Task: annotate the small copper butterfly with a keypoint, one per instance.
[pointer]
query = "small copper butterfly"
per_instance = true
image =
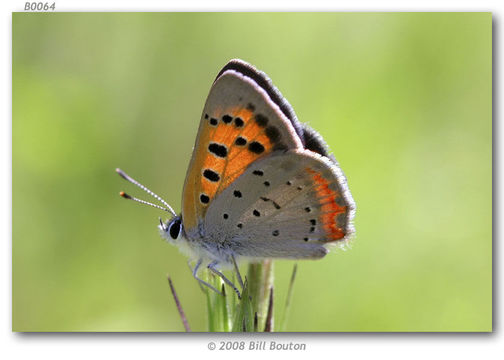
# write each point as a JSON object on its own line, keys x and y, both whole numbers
{"x": 260, "y": 183}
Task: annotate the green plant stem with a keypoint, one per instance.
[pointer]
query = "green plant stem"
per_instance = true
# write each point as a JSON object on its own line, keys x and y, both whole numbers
{"x": 260, "y": 281}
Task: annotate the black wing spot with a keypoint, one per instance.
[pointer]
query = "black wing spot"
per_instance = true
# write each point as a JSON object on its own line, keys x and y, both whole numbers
{"x": 241, "y": 141}
{"x": 218, "y": 150}
{"x": 251, "y": 107}
{"x": 300, "y": 188}
{"x": 307, "y": 209}
{"x": 276, "y": 232}
{"x": 258, "y": 172}
{"x": 238, "y": 122}
{"x": 214, "y": 121}
{"x": 211, "y": 175}
{"x": 256, "y": 147}
{"x": 239, "y": 225}
{"x": 227, "y": 119}
{"x": 206, "y": 116}
{"x": 275, "y": 204}
{"x": 237, "y": 193}
{"x": 204, "y": 198}
{"x": 312, "y": 229}
{"x": 289, "y": 183}
{"x": 261, "y": 120}
{"x": 264, "y": 198}
{"x": 272, "y": 133}
{"x": 267, "y": 183}
{"x": 225, "y": 216}
{"x": 305, "y": 239}
{"x": 313, "y": 222}
{"x": 256, "y": 213}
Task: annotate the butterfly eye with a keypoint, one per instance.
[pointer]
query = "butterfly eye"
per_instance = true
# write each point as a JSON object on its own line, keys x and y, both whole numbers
{"x": 175, "y": 228}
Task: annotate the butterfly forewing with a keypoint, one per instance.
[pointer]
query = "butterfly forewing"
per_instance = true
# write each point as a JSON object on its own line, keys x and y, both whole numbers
{"x": 240, "y": 125}
{"x": 287, "y": 205}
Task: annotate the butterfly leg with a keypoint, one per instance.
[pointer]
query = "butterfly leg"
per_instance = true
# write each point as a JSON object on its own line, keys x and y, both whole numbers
{"x": 212, "y": 268}
{"x": 237, "y": 271}
{"x": 195, "y": 275}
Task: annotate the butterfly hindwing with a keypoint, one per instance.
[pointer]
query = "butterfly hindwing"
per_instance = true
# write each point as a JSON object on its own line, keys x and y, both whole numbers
{"x": 286, "y": 205}
{"x": 240, "y": 124}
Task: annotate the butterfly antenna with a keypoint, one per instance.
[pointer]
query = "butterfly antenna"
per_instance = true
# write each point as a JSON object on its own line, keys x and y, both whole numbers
{"x": 128, "y": 178}
{"x": 129, "y": 197}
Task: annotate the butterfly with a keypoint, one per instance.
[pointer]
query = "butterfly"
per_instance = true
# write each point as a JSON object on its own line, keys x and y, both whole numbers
{"x": 260, "y": 184}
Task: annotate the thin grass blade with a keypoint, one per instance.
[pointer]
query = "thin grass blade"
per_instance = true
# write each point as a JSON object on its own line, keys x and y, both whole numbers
{"x": 288, "y": 300}
{"x": 179, "y": 306}
{"x": 268, "y": 327}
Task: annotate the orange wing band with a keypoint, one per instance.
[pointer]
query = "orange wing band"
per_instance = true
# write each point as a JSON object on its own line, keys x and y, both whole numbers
{"x": 329, "y": 208}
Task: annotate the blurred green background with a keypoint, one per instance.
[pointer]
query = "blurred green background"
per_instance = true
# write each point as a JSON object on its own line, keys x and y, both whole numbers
{"x": 404, "y": 101}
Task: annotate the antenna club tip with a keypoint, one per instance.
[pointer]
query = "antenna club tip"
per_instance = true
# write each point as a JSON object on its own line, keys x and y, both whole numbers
{"x": 124, "y": 195}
